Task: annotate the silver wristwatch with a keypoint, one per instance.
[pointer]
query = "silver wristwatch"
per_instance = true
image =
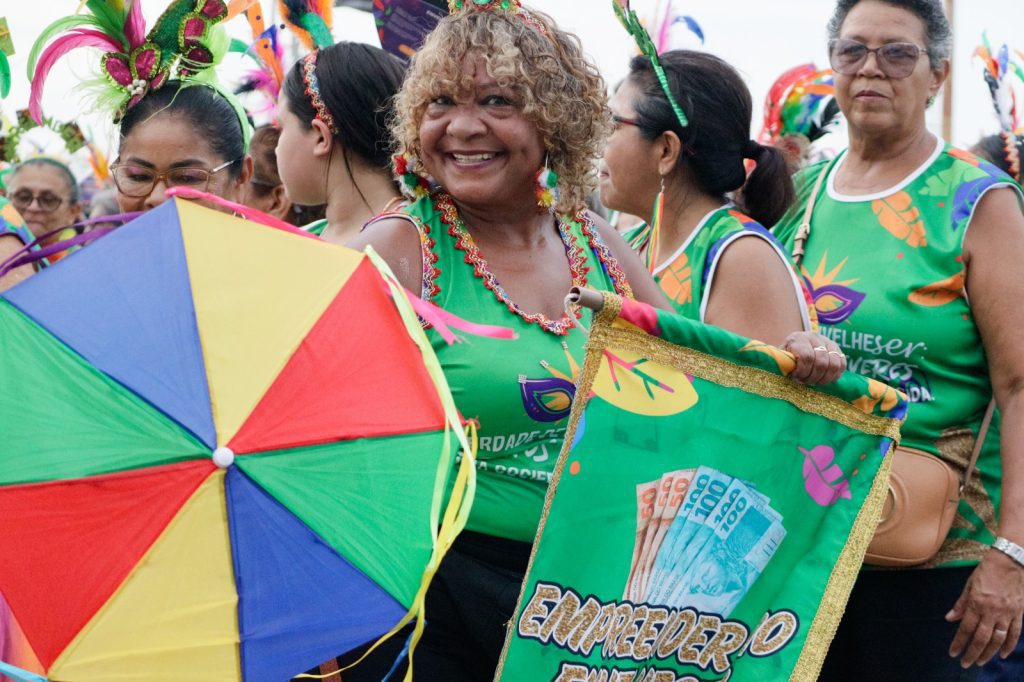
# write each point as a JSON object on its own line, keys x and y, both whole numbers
{"x": 1010, "y": 549}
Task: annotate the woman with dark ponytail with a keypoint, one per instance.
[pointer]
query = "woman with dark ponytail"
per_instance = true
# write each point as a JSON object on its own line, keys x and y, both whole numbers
{"x": 694, "y": 243}
{"x": 335, "y": 148}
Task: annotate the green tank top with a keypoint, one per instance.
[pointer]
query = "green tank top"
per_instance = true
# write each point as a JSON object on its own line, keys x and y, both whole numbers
{"x": 887, "y": 278}
{"x": 316, "y": 227}
{"x": 686, "y": 275}
{"x": 518, "y": 391}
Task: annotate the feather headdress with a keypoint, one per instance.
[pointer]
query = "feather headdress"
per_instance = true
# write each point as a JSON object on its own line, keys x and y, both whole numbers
{"x": 311, "y": 20}
{"x": 268, "y": 52}
{"x": 998, "y": 67}
{"x": 627, "y": 17}
{"x": 184, "y": 42}
{"x": 667, "y": 21}
{"x": 800, "y": 102}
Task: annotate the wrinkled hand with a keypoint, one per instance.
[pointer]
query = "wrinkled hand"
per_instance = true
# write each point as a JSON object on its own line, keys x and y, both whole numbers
{"x": 989, "y": 611}
{"x": 818, "y": 359}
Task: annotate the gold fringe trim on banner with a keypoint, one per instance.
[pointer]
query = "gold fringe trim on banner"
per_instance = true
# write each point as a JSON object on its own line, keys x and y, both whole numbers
{"x": 728, "y": 374}
{"x": 840, "y": 583}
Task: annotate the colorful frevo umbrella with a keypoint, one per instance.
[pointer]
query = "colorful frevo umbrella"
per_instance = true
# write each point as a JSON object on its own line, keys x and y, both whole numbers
{"x": 223, "y": 454}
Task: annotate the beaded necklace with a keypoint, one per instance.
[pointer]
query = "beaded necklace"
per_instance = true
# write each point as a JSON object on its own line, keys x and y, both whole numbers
{"x": 464, "y": 242}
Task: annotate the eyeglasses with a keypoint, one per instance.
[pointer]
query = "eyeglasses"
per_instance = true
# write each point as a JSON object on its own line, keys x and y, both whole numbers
{"x": 896, "y": 60}
{"x": 47, "y": 201}
{"x": 138, "y": 181}
{"x": 622, "y": 121}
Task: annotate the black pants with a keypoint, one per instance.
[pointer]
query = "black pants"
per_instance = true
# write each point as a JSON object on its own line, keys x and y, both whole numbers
{"x": 468, "y": 607}
{"x": 894, "y": 629}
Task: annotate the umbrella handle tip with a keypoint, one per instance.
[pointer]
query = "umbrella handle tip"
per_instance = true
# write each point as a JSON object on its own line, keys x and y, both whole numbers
{"x": 223, "y": 457}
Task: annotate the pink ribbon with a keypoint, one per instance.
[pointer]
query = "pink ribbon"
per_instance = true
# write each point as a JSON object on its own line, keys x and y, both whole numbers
{"x": 246, "y": 212}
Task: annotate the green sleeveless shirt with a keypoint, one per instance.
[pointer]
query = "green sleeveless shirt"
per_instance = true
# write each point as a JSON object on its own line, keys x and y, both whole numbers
{"x": 519, "y": 391}
{"x": 686, "y": 275}
{"x": 887, "y": 278}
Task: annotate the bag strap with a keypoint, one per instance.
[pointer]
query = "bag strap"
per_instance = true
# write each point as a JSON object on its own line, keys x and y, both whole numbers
{"x": 979, "y": 443}
{"x": 804, "y": 231}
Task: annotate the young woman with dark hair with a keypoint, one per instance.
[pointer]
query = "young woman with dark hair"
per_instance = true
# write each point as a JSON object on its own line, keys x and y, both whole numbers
{"x": 697, "y": 244}
{"x": 265, "y": 191}
{"x": 182, "y": 135}
{"x": 335, "y": 148}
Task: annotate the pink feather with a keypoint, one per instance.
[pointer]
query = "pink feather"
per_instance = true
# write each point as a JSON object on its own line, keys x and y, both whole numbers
{"x": 82, "y": 37}
{"x": 135, "y": 24}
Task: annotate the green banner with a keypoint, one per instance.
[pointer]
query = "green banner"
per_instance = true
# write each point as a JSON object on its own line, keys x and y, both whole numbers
{"x": 707, "y": 516}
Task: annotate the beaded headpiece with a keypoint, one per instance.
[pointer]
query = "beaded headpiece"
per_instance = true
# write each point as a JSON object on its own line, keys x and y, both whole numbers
{"x": 998, "y": 67}
{"x": 627, "y": 17}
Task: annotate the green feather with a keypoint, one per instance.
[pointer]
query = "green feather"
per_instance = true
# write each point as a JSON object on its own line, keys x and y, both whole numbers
{"x": 5, "y": 76}
{"x": 109, "y": 19}
{"x": 317, "y": 29}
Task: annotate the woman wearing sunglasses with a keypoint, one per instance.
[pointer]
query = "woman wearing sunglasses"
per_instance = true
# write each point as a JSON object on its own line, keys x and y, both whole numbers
{"x": 44, "y": 192}
{"x": 912, "y": 249}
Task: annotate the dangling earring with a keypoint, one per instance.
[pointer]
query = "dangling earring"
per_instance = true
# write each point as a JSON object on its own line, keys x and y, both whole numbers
{"x": 412, "y": 184}
{"x": 931, "y": 101}
{"x": 657, "y": 214}
{"x": 546, "y": 182}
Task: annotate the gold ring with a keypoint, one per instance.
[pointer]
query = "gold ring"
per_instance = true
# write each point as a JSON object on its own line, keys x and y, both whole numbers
{"x": 837, "y": 352}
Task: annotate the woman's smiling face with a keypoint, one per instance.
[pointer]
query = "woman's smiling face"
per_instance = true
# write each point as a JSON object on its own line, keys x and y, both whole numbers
{"x": 478, "y": 145}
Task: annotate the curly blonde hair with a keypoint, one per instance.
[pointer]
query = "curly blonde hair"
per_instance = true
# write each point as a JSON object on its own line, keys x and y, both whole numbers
{"x": 558, "y": 89}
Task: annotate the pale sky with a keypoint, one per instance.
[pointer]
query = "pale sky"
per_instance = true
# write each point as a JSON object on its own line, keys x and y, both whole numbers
{"x": 761, "y": 39}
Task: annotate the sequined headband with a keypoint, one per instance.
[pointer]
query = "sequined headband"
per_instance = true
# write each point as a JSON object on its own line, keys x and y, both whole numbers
{"x": 513, "y": 7}
{"x": 313, "y": 92}
{"x": 1012, "y": 153}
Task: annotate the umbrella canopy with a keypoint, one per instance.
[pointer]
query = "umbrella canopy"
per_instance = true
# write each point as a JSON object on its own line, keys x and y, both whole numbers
{"x": 223, "y": 455}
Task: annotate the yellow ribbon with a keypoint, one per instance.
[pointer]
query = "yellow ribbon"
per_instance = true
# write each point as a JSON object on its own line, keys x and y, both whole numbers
{"x": 457, "y": 511}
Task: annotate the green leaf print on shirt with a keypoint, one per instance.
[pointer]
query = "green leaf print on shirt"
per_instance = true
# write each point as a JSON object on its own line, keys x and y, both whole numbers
{"x": 942, "y": 183}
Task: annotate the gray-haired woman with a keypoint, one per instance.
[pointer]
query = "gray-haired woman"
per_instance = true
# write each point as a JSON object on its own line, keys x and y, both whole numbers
{"x": 903, "y": 229}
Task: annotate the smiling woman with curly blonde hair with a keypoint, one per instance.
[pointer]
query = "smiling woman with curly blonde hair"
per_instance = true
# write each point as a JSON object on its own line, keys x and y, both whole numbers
{"x": 553, "y": 85}
{"x": 495, "y": 105}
